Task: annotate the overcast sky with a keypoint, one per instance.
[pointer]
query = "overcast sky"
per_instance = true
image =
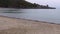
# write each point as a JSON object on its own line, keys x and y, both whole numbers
{"x": 52, "y": 3}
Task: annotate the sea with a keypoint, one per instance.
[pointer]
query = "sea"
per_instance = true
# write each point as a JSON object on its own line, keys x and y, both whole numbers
{"x": 47, "y": 15}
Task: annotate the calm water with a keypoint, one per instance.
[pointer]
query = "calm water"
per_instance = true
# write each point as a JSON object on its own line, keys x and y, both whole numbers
{"x": 49, "y": 15}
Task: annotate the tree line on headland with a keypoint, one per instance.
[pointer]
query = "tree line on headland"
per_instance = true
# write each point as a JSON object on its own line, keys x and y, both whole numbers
{"x": 21, "y": 4}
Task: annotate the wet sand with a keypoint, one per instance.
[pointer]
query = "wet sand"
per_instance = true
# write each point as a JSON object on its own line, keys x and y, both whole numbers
{"x": 24, "y": 26}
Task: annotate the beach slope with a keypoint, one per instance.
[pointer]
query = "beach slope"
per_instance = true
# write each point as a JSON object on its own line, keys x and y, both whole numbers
{"x": 25, "y": 26}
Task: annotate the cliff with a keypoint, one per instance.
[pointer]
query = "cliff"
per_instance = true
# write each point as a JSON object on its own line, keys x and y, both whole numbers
{"x": 22, "y": 4}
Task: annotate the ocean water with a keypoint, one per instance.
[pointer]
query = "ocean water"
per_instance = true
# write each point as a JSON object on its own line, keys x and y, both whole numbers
{"x": 48, "y": 15}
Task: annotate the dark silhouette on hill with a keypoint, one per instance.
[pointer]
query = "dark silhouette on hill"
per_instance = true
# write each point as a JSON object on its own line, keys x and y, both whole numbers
{"x": 22, "y": 4}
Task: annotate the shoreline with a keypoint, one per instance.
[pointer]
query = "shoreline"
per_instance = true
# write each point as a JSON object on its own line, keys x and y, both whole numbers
{"x": 30, "y": 8}
{"x": 30, "y": 20}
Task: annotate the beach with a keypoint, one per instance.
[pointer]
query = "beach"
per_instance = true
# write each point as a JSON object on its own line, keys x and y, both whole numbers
{"x": 9, "y": 25}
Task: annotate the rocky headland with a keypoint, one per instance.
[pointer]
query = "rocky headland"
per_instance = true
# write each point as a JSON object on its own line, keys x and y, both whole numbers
{"x": 22, "y": 4}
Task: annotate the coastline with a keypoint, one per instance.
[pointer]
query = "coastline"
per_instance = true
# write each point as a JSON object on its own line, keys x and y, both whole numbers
{"x": 11, "y": 25}
{"x": 29, "y": 8}
{"x": 30, "y": 20}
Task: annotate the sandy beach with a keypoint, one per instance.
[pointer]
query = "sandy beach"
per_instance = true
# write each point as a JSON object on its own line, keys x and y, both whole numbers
{"x": 24, "y": 26}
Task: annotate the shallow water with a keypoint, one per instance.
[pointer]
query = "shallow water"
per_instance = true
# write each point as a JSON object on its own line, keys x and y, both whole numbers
{"x": 48, "y": 15}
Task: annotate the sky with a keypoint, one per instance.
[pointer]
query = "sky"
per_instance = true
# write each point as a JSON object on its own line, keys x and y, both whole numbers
{"x": 51, "y": 3}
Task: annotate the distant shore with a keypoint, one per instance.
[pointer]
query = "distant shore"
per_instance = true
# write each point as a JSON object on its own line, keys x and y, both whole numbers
{"x": 23, "y": 4}
{"x": 9, "y": 25}
{"x": 29, "y": 8}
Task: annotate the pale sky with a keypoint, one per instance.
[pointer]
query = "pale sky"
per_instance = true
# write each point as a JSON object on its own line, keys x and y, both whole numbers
{"x": 52, "y": 3}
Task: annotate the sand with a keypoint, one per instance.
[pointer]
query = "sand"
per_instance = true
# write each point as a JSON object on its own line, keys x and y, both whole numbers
{"x": 24, "y": 26}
